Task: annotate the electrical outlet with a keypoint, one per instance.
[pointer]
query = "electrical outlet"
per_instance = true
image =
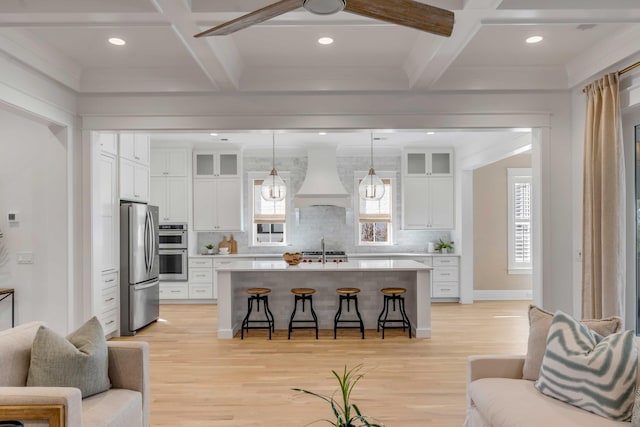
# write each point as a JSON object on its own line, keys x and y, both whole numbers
{"x": 25, "y": 257}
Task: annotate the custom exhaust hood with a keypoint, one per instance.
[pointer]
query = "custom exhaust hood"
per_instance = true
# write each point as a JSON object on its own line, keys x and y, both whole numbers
{"x": 322, "y": 186}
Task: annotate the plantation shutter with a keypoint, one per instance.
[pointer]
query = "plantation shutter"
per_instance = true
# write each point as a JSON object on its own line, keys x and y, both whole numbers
{"x": 520, "y": 250}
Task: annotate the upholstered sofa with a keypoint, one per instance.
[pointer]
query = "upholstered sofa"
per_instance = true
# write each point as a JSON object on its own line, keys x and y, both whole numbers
{"x": 125, "y": 404}
{"x": 497, "y": 396}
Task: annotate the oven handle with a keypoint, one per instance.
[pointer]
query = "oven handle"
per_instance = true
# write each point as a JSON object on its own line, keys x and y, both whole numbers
{"x": 172, "y": 251}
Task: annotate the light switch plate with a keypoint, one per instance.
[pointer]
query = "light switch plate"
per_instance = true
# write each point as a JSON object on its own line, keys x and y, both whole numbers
{"x": 25, "y": 257}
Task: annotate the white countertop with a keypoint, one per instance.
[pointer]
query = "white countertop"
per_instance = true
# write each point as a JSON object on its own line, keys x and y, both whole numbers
{"x": 355, "y": 255}
{"x": 358, "y": 265}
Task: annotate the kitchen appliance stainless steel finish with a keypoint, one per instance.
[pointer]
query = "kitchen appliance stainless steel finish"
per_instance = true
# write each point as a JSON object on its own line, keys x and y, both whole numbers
{"x": 172, "y": 235}
{"x": 330, "y": 256}
{"x": 173, "y": 252}
{"x": 139, "y": 267}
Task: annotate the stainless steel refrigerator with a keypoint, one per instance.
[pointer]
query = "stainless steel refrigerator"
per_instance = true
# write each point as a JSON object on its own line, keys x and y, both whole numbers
{"x": 139, "y": 267}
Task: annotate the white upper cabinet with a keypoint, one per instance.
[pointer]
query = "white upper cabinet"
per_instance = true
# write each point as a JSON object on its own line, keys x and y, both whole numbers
{"x": 217, "y": 204}
{"x": 170, "y": 194}
{"x": 169, "y": 162}
{"x": 212, "y": 164}
{"x": 135, "y": 147}
{"x": 108, "y": 142}
{"x": 431, "y": 162}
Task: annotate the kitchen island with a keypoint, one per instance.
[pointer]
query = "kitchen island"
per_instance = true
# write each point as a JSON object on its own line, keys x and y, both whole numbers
{"x": 370, "y": 276}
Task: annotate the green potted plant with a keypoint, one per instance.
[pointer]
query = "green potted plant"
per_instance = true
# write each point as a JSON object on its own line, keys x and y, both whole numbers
{"x": 443, "y": 246}
{"x": 209, "y": 248}
{"x": 346, "y": 414}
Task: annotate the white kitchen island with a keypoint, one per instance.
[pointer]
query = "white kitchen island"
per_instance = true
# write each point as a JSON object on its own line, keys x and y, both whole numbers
{"x": 234, "y": 277}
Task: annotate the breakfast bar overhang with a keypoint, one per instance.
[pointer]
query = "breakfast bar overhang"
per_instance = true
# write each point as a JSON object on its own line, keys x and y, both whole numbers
{"x": 234, "y": 278}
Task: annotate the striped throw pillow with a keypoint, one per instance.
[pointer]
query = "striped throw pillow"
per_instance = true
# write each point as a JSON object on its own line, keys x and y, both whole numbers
{"x": 584, "y": 369}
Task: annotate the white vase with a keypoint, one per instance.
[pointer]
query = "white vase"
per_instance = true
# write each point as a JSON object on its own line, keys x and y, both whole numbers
{"x": 444, "y": 250}
{"x": 210, "y": 251}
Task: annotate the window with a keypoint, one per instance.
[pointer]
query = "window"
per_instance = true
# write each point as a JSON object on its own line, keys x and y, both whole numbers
{"x": 374, "y": 217}
{"x": 269, "y": 219}
{"x": 519, "y": 188}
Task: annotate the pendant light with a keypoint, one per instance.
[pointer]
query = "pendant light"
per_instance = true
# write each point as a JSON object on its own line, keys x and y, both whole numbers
{"x": 371, "y": 187}
{"x": 273, "y": 188}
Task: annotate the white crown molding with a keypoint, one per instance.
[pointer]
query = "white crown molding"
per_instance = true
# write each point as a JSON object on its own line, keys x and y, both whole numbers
{"x": 47, "y": 61}
{"x": 604, "y": 57}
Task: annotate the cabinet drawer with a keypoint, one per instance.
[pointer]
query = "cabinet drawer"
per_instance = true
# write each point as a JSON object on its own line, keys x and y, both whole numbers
{"x": 109, "y": 280}
{"x": 109, "y": 320}
{"x": 200, "y": 291}
{"x": 445, "y": 275}
{"x": 109, "y": 299}
{"x": 201, "y": 262}
{"x": 179, "y": 291}
{"x": 445, "y": 290}
{"x": 445, "y": 261}
{"x": 200, "y": 275}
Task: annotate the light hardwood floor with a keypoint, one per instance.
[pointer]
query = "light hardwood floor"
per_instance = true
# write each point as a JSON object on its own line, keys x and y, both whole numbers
{"x": 200, "y": 381}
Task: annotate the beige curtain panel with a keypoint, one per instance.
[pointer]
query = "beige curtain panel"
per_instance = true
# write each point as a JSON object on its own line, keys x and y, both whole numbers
{"x": 603, "y": 258}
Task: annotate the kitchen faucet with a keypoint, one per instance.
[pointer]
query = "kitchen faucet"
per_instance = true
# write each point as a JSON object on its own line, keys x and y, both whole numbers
{"x": 324, "y": 254}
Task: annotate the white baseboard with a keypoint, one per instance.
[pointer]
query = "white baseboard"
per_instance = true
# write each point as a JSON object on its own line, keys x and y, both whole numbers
{"x": 502, "y": 295}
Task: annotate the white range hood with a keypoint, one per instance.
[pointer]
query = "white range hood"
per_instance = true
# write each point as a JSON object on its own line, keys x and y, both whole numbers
{"x": 322, "y": 186}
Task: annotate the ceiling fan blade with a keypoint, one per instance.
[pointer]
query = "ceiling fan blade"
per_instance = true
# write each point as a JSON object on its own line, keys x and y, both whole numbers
{"x": 407, "y": 13}
{"x": 255, "y": 17}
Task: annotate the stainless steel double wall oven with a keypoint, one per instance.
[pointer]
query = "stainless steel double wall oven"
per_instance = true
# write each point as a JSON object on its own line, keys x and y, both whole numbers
{"x": 173, "y": 251}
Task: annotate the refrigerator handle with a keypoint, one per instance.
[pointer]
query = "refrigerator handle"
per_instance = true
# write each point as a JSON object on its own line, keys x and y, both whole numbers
{"x": 152, "y": 234}
{"x": 146, "y": 242}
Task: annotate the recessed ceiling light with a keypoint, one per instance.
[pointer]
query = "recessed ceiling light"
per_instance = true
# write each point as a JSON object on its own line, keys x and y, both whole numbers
{"x": 322, "y": 133}
{"x": 117, "y": 41}
{"x": 213, "y": 134}
{"x": 534, "y": 39}
{"x": 325, "y": 40}
{"x": 430, "y": 133}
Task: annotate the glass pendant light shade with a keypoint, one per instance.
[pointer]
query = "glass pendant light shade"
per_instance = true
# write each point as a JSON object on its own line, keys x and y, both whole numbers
{"x": 371, "y": 186}
{"x": 273, "y": 188}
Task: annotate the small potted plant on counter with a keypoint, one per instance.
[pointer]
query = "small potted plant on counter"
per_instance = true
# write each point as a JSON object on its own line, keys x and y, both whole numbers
{"x": 444, "y": 247}
{"x": 209, "y": 248}
{"x": 346, "y": 414}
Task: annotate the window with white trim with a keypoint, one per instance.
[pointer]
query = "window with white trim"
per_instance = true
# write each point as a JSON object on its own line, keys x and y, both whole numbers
{"x": 520, "y": 236}
{"x": 269, "y": 218}
{"x": 375, "y": 218}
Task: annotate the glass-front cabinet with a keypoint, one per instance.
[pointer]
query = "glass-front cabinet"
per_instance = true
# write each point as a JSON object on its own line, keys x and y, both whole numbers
{"x": 428, "y": 162}
{"x": 211, "y": 164}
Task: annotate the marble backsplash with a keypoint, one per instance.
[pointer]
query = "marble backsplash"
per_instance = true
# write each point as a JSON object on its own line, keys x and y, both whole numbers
{"x": 306, "y": 226}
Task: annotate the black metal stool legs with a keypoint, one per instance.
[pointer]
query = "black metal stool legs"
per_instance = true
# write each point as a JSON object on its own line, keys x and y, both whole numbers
{"x": 303, "y": 298}
{"x": 404, "y": 321}
{"x": 360, "y": 324}
{"x": 246, "y": 322}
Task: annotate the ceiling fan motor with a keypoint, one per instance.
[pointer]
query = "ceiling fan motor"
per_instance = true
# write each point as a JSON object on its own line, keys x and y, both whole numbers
{"x": 324, "y": 7}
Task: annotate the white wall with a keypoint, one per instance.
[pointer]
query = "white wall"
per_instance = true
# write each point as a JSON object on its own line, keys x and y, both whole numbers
{"x": 33, "y": 182}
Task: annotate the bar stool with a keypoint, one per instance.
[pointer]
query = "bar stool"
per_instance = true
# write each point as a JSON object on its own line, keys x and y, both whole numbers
{"x": 393, "y": 295}
{"x": 303, "y": 294}
{"x": 257, "y": 295}
{"x": 348, "y": 295}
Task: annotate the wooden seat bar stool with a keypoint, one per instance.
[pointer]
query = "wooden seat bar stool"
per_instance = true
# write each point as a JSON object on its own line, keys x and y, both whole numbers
{"x": 303, "y": 294}
{"x": 348, "y": 295}
{"x": 391, "y": 295}
{"x": 257, "y": 295}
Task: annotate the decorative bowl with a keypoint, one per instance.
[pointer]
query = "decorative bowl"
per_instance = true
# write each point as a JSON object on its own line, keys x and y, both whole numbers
{"x": 292, "y": 258}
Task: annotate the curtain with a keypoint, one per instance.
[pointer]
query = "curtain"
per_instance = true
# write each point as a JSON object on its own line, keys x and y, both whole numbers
{"x": 603, "y": 257}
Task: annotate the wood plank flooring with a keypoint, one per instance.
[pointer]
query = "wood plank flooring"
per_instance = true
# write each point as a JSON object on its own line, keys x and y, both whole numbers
{"x": 200, "y": 381}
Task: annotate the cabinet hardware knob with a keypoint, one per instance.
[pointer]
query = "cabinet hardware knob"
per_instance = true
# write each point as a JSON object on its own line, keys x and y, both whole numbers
{"x": 109, "y": 299}
{"x": 175, "y": 292}
{"x": 110, "y": 322}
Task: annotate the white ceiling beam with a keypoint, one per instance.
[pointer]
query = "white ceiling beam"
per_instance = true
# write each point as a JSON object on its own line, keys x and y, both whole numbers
{"x": 558, "y": 16}
{"x": 218, "y": 60}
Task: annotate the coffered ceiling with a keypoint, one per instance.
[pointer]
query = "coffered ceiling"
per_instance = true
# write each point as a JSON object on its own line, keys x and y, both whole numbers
{"x": 67, "y": 40}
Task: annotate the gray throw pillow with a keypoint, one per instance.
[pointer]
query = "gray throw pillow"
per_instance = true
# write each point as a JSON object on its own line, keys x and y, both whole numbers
{"x": 80, "y": 360}
{"x": 539, "y": 324}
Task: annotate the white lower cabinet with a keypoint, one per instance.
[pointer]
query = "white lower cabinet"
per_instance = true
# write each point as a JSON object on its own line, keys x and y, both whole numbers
{"x": 108, "y": 312}
{"x": 201, "y": 285}
{"x": 445, "y": 277}
{"x": 174, "y": 290}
